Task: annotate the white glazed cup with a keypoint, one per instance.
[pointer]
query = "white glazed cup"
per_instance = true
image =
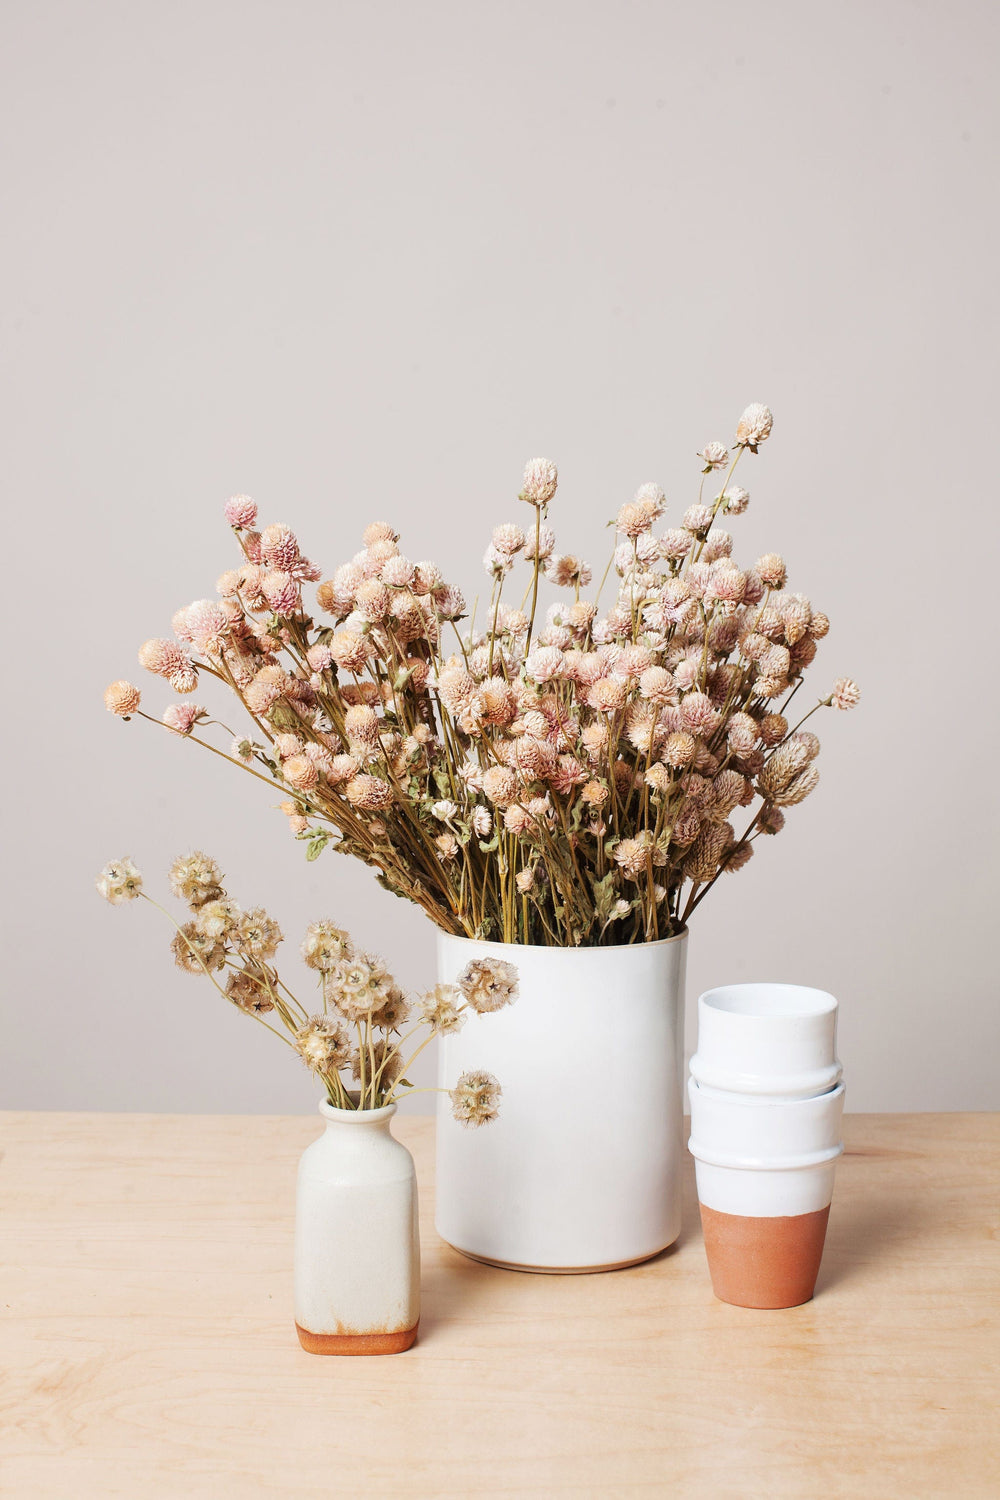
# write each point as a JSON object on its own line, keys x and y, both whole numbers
{"x": 765, "y": 1158}
{"x": 774, "y": 1041}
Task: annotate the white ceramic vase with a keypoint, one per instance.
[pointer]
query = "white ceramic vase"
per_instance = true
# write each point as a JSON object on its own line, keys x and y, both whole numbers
{"x": 357, "y": 1248}
{"x": 582, "y": 1170}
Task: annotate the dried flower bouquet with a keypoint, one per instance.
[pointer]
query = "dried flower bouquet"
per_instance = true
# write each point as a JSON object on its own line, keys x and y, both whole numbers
{"x": 563, "y": 779}
{"x": 360, "y": 1027}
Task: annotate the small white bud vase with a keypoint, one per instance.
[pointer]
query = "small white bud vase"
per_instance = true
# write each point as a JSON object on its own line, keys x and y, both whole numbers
{"x": 581, "y": 1171}
{"x": 766, "y": 1110}
{"x": 357, "y": 1248}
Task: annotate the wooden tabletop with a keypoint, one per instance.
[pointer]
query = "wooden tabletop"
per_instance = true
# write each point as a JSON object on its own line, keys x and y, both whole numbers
{"x": 148, "y": 1349}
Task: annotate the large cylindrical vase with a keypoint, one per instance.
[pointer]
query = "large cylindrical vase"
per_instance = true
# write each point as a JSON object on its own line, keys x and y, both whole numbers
{"x": 582, "y": 1169}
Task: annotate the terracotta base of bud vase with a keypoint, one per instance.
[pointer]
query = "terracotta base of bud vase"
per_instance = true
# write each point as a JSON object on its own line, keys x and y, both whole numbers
{"x": 357, "y": 1343}
{"x": 764, "y": 1262}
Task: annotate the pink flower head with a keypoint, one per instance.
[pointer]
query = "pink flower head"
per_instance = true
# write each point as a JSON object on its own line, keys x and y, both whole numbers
{"x": 350, "y": 650}
{"x": 497, "y": 564}
{"x": 589, "y": 668}
{"x": 675, "y": 544}
{"x": 772, "y": 570}
{"x": 540, "y": 480}
{"x": 397, "y": 571}
{"x": 657, "y": 686}
{"x": 122, "y": 698}
{"x": 544, "y": 664}
{"x": 379, "y": 531}
{"x": 300, "y": 772}
{"x": 607, "y": 695}
{"x": 698, "y": 714}
{"x": 184, "y": 681}
{"x": 241, "y": 511}
{"x": 754, "y": 426}
{"x": 427, "y": 578}
{"x": 508, "y": 539}
{"x": 163, "y": 657}
{"x": 727, "y": 586}
{"x": 846, "y": 693}
{"x": 697, "y": 518}
{"x": 450, "y": 603}
{"x": 569, "y": 772}
{"x": 373, "y": 600}
{"x": 204, "y": 624}
{"x": 686, "y": 674}
{"x": 631, "y": 661}
{"x": 319, "y": 657}
{"x": 182, "y": 716}
{"x": 279, "y": 548}
{"x": 546, "y": 543}
{"x": 281, "y": 592}
{"x": 652, "y": 499}
{"x": 567, "y": 571}
{"x": 714, "y": 456}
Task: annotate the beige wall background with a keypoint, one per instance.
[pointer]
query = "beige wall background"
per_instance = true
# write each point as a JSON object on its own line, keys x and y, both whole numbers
{"x": 361, "y": 261}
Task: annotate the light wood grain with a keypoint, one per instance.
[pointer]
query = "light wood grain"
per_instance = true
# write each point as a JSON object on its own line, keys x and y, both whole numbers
{"x": 148, "y": 1347}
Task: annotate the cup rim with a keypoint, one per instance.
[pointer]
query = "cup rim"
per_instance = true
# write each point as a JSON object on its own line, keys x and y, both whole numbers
{"x": 747, "y": 1000}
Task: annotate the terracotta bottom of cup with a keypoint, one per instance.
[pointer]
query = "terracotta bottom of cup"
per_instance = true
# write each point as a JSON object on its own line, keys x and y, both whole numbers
{"x": 767, "y": 1263}
{"x": 357, "y": 1343}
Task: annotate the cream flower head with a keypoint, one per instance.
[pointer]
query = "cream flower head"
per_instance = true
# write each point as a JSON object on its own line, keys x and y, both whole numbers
{"x": 442, "y": 1008}
{"x": 488, "y": 984}
{"x": 325, "y": 947}
{"x": 475, "y": 1098}
{"x": 195, "y": 878}
{"x": 119, "y": 881}
{"x": 323, "y": 1044}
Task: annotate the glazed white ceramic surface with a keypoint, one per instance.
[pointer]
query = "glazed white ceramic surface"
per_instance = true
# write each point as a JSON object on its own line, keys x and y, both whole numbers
{"x": 357, "y": 1250}
{"x": 777, "y": 1040}
{"x": 582, "y": 1169}
{"x": 765, "y": 1157}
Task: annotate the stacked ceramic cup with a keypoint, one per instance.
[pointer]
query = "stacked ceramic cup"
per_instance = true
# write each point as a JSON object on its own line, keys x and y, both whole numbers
{"x": 766, "y": 1107}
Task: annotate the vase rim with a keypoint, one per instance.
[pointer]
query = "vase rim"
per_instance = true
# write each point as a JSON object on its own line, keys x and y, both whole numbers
{"x": 356, "y": 1116}
{"x": 565, "y": 947}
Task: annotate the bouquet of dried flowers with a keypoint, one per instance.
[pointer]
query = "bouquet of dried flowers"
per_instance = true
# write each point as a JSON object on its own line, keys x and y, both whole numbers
{"x": 561, "y": 778}
{"x": 361, "y": 1028}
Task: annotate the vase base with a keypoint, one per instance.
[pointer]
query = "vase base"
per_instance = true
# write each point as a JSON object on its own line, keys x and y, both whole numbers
{"x": 357, "y": 1343}
{"x": 515, "y": 1265}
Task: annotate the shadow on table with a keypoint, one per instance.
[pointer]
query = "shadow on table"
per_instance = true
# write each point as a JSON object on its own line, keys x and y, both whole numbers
{"x": 462, "y": 1289}
{"x": 863, "y": 1231}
